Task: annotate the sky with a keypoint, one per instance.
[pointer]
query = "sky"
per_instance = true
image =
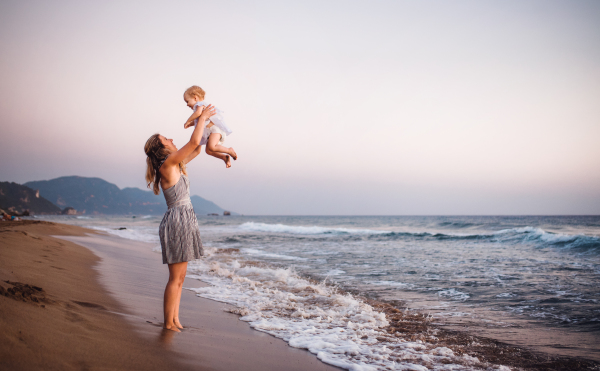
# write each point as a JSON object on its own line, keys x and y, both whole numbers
{"x": 337, "y": 107}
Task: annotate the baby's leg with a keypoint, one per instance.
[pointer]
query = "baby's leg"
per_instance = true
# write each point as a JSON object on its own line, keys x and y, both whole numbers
{"x": 219, "y": 155}
{"x": 214, "y": 146}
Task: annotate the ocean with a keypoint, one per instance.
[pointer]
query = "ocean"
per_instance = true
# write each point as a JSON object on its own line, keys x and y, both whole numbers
{"x": 528, "y": 281}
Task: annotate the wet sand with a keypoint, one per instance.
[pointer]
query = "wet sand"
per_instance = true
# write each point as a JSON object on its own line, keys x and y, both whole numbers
{"x": 55, "y": 315}
{"x": 101, "y": 308}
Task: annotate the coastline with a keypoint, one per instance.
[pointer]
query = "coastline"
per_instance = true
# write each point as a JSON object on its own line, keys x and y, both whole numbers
{"x": 102, "y": 308}
{"x": 129, "y": 280}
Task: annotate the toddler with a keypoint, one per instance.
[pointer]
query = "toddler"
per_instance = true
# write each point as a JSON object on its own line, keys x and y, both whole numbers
{"x": 215, "y": 130}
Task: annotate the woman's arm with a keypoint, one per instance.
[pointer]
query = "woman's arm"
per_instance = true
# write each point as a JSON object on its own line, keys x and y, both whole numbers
{"x": 194, "y": 143}
{"x": 193, "y": 155}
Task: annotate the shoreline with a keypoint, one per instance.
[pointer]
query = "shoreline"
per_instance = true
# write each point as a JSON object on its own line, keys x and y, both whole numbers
{"x": 214, "y": 337}
{"x": 128, "y": 286}
{"x": 134, "y": 277}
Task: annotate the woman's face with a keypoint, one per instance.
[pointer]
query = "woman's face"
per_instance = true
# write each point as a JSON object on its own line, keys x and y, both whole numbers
{"x": 168, "y": 144}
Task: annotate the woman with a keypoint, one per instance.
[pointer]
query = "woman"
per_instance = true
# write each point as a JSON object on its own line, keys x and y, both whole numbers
{"x": 179, "y": 234}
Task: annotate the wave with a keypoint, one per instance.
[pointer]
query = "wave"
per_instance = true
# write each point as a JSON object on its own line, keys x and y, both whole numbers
{"x": 578, "y": 242}
{"x": 282, "y": 228}
{"x": 575, "y": 242}
{"x": 456, "y": 224}
{"x": 341, "y": 329}
{"x": 271, "y": 255}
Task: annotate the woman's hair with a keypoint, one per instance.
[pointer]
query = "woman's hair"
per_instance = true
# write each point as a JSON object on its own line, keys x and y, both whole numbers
{"x": 156, "y": 154}
{"x": 195, "y": 90}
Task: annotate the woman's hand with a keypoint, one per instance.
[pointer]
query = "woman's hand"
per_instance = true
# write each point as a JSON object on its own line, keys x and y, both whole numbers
{"x": 207, "y": 113}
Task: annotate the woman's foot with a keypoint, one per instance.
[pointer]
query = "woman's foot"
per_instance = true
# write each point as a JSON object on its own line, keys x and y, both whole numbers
{"x": 227, "y": 161}
{"x": 172, "y": 328}
{"x": 178, "y": 324}
{"x": 232, "y": 153}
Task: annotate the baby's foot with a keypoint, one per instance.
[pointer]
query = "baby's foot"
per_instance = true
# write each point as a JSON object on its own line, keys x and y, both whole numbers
{"x": 233, "y": 154}
{"x": 227, "y": 161}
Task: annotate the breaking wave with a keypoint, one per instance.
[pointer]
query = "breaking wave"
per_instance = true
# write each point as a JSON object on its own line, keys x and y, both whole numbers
{"x": 282, "y": 228}
{"x": 577, "y": 242}
{"x": 340, "y": 329}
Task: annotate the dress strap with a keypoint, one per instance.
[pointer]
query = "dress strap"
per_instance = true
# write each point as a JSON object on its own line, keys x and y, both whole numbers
{"x": 161, "y": 163}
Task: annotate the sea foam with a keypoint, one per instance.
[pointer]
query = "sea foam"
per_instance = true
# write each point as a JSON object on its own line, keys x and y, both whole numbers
{"x": 341, "y": 329}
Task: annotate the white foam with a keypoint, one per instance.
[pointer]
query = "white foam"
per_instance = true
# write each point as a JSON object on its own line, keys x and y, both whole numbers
{"x": 282, "y": 228}
{"x": 340, "y": 329}
{"x": 264, "y": 254}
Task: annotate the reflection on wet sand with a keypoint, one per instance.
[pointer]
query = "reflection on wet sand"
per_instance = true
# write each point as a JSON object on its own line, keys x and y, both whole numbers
{"x": 165, "y": 337}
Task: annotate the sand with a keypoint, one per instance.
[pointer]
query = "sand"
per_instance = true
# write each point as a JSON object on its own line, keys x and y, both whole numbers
{"x": 54, "y": 313}
{"x": 97, "y": 304}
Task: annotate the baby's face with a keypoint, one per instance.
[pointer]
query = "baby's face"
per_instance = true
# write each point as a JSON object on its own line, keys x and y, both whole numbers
{"x": 190, "y": 100}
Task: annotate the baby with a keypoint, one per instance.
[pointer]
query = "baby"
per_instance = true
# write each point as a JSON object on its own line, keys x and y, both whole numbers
{"x": 215, "y": 130}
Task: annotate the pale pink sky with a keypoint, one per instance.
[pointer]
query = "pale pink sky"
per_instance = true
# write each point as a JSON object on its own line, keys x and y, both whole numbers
{"x": 337, "y": 107}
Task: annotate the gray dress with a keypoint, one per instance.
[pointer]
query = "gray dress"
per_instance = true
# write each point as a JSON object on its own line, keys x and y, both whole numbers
{"x": 179, "y": 233}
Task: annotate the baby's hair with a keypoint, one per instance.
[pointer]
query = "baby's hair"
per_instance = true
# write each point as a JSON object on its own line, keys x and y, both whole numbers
{"x": 195, "y": 90}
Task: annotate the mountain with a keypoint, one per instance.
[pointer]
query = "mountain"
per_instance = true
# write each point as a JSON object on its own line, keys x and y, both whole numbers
{"x": 206, "y": 205}
{"x": 17, "y": 198}
{"x": 97, "y": 196}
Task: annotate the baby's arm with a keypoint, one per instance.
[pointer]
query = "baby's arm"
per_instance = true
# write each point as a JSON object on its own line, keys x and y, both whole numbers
{"x": 194, "y": 116}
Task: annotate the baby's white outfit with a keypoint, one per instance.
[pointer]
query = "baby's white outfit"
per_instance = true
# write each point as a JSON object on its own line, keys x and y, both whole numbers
{"x": 213, "y": 129}
{"x": 218, "y": 127}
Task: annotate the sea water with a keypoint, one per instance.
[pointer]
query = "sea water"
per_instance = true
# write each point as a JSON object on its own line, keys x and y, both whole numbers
{"x": 527, "y": 280}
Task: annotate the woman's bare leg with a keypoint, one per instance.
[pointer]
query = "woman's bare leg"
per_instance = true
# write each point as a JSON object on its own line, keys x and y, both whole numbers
{"x": 172, "y": 292}
{"x": 176, "y": 315}
{"x": 219, "y": 155}
{"x": 213, "y": 145}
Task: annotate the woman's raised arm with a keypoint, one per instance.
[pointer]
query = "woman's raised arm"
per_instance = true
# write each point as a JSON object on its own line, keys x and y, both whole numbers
{"x": 194, "y": 143}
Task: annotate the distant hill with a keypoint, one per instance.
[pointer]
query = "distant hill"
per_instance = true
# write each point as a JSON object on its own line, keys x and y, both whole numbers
{"x": 17, "y": 198}
{"x": 97, "y": 196}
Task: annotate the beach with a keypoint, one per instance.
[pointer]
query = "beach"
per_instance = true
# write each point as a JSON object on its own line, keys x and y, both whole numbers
{"x": 65, "y": 307}
{"x": 99, "y": 303}
{"x": 55, "y": 315}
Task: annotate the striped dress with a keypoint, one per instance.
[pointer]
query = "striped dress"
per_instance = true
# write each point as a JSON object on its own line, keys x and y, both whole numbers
{"x": 179, "y": 233}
